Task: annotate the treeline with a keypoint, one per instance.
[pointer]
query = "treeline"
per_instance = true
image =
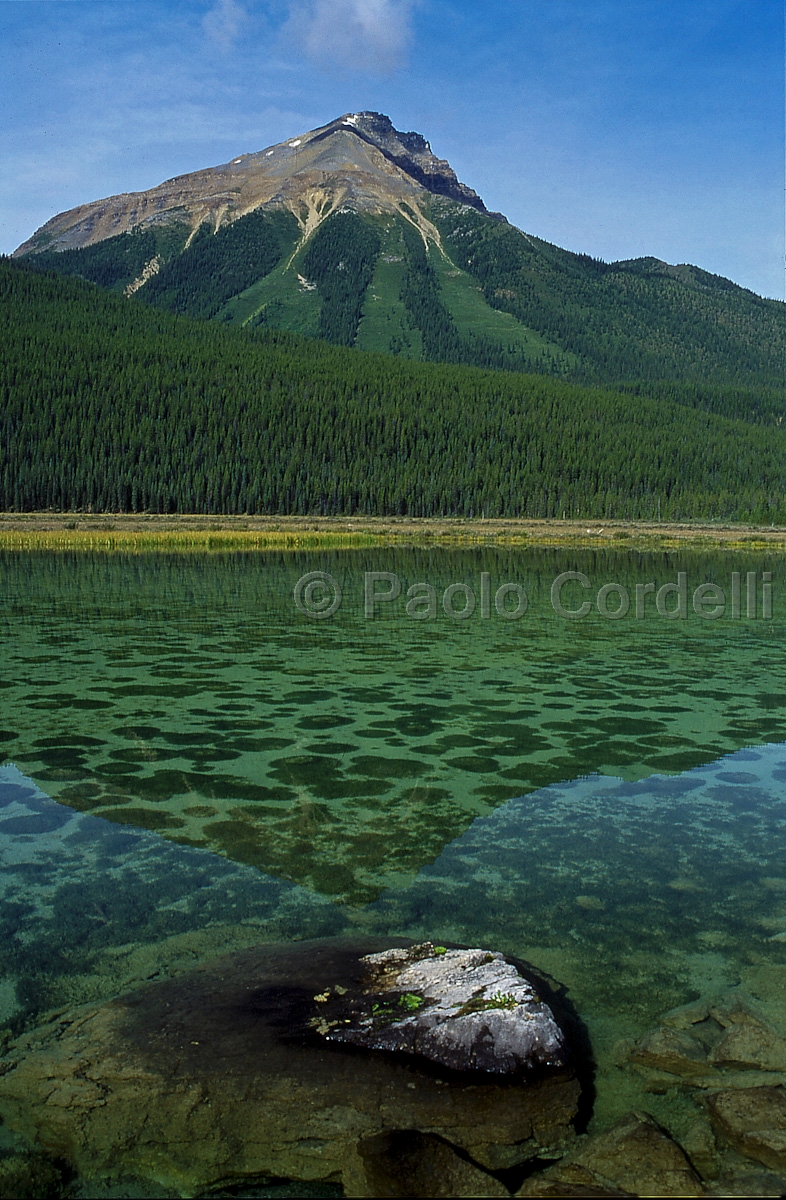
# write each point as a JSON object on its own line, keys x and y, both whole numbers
{"x": 673, "y": 332}
{"x": 216, "y": 266}
{"x": 760, "y": 406}
{"x": 640, "y": 320}
{"x": 194, "y": 277}
{"x": 116, "y": 261}
{"x": 110, "y": 405}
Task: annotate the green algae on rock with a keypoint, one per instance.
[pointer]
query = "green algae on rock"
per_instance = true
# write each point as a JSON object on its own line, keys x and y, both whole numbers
{"x": 469, "y": 1010}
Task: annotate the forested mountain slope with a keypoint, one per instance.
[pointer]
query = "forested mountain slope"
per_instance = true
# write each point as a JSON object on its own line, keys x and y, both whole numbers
{"x": 110, "y": 404}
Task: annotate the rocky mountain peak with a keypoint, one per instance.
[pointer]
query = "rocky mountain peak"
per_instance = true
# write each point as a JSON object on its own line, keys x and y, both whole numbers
{"x": 411, "y": 153}
{"x": 360, "y": 160}
{"x": 380, "y": 127}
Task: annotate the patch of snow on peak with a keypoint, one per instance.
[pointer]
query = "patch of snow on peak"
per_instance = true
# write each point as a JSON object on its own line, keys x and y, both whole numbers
{"x": 236, "y": 160}
{"x": 296, "y": 142}
{"x": 269, "y": 153}
{"x": 351, "y": 120}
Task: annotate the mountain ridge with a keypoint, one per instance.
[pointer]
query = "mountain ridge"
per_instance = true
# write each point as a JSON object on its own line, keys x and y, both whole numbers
{"x": 322, "y": 168}
{"x": 357, "y": 233}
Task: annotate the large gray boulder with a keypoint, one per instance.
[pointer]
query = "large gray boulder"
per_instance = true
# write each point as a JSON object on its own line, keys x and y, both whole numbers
{"x": 469, "y": 1010}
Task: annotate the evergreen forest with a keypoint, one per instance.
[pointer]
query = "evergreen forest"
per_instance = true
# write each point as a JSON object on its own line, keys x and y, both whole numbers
{"x": 110, "y": 403}
{"x": 488, "y": 295}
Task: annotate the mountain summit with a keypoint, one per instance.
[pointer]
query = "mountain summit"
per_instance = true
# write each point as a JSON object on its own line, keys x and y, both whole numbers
{"x": 359, "y": 160}
{"x": 358, "y": 234}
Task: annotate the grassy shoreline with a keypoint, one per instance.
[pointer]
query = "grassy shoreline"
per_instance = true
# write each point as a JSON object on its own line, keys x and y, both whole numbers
{"x": 193, "y": 531}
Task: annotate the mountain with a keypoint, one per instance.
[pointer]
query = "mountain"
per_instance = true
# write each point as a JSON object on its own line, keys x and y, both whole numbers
{"x": 357, "y": 233}
{"x": 359, "y": 160}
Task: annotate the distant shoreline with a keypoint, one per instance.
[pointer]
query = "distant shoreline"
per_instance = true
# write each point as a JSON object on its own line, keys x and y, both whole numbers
{"x": 194, "y": 531}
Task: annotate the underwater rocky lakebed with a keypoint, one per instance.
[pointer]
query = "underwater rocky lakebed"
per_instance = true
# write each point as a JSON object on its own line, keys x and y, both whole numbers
{"x": 197, "y": 764}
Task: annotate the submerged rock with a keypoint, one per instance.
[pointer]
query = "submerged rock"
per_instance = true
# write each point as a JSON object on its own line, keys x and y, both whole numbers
{"x": 469, "y": 1010}
{"x": 723, "y": 1052}
{"x": 28, "y": 1177}
{"x": 751, "y": 1044}
{"x": 753, "y": 1122}
{"x": 408, "y": 1163}
{"x": 215, "y": 1079}
{"x": 725, "y": 1041}
{"x": 671, "y": 1050}
{"x": 636, "y": 1157}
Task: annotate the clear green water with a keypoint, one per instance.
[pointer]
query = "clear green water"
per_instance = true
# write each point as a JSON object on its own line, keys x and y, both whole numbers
{"x": 559, "y": 789}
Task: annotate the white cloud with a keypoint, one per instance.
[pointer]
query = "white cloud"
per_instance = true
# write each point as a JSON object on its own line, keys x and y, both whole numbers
{"x": 225, "y": 22}
{"x": 366, "y": 35}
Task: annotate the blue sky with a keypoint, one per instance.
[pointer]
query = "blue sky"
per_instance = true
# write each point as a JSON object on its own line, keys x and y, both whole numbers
{"x": 614, "y": 127}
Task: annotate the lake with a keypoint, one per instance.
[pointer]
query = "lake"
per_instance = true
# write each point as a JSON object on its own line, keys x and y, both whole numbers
{"x": 450, "y": 752}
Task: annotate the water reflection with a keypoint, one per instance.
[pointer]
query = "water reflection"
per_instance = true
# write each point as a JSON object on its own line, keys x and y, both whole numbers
{"x": 189, "y": 696}
{"x": 676, "y": 881}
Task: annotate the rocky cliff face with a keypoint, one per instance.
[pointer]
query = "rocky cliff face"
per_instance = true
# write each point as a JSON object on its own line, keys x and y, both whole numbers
{"x": 359, "y": 160}
{"x": 411, "y": 153}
